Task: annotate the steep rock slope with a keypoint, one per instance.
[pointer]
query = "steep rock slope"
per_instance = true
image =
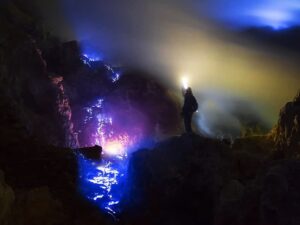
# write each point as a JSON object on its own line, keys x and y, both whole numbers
{"x": 190, "y": 179}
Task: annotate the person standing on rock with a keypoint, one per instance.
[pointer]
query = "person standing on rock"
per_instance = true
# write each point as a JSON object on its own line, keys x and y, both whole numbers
{"x": 189, "y": 107}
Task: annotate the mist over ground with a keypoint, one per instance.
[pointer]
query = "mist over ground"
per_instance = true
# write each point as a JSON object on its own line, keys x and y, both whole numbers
{"x": 202, "y": 41}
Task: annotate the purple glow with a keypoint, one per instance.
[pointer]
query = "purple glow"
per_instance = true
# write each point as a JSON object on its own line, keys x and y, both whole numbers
{"x": 104, "y": 182}
{"x": 107, "y": 129}
{"x": 119, "y": 128}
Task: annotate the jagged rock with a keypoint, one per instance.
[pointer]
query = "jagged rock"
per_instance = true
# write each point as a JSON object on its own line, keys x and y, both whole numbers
{"x": 29, "y": 164}
{"x": 7, "y": 198}
{"x": 247, "y": 165}
{"x": 44, "y": 179}
{"x": 91, "y": 152}
{"x": 64, "y": 112}
{"x": 62, "y": 58}
{"x": 229, "y": 204}
{"x": 194, "y": 180}
{"x": 141, "y": 91}
{"x": 31, "y": 98}
{"x": 37, "y": 206}
{"x": 280, "y": 198}
{"x": 287, "y": 133}
{"x": 178, "y": 182}
{"x": 136, "y": 93}
{"x": 70, "y": 57}
{"x": 27, "y": 96}
{"x": 232, "y": 191}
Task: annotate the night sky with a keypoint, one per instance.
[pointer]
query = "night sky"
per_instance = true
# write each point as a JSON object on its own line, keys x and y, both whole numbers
{"x": 243, "y": 50}
{"x": 277, "y": 14}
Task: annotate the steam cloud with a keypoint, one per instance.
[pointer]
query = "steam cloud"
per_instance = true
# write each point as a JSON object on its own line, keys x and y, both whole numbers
{"x": 234, "y": 80}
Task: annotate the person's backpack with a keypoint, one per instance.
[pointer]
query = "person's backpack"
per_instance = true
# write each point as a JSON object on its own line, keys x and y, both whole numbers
{"x": 194, "y": 105}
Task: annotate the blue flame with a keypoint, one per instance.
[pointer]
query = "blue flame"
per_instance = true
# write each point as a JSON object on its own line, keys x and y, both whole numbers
{"x": 92, "y": 58}
{"x": 89, "y": 51}
{"x": 115, "y": 75}
{"x": 103, "y": 182}
{"x": 89, "y": 59}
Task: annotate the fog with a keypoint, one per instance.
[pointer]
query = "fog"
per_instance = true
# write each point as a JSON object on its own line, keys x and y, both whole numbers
{"x": 171, "y": 39}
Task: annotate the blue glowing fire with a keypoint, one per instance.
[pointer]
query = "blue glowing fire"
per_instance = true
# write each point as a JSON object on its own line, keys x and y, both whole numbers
{"x": 92, "y": 58}
{"x": 89, "y": 59}
{"x": 103, "y": 182}
{"x": 114, "y": 139}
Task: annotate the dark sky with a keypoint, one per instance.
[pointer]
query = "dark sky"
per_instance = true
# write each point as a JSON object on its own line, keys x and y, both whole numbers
{"x": 222, "y": 46}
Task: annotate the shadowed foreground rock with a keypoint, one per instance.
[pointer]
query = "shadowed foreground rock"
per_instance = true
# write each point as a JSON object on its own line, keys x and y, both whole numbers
{"x": 287, "y": 131}
{"x": 178, "y": 182}
{"x": 40, "y": 186}
{"x": 91, "y": 152}
{"x": 195, "y": 180}
{"x": 6, "y": 200}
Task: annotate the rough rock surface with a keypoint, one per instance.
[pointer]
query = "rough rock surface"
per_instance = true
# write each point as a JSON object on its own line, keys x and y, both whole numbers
{"x": 37, "y": 206}
{"x": 7, "y": 198}
{"x": 91, "y": 152}
{"x": 46, "y": 86}
{"x": 287, "y": 132}
{"x": 33, "y": 103}
{"x": 42, "y": 186}
{"x": 28, "y": 96}
{"x": 178, "y": 182}
{"x": 280, "y": 198}
{"x": 194, "y": 180}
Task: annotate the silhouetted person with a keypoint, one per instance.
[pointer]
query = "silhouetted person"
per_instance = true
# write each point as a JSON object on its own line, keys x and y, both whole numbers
{"x": 189, "y": 107}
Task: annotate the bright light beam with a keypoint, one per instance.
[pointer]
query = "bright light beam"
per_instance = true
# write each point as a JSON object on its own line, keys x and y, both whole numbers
{"x": 114, "y": 147}
{"x": 185, "y": 82}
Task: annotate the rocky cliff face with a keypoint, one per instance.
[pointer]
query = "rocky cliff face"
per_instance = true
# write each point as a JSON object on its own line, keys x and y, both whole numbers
{"x": 177, "y": 182}
{"x": 30, "y": 102}
{"x": 287, "y": 131}
{"x": 7, "y": 198}
{"x": 46, "y": 86}
{"x": 64, "y": 113}
{"x": 194, "y": 180}
{"x": 39, "y": 185}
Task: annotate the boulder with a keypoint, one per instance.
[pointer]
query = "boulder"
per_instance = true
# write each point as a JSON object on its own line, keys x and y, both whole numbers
{"x": 229, "y": 203}
{"x": 7, "y": 198}
{"x": 287, "y": 132}
{"x": 93, "y": 153}
{"x": 30, "y": 98}
{"x": 280, "y": 198}
{"x": 177, "y": 182}
{"x": 37, "y": 206}
{"x": 195, "y": 180}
